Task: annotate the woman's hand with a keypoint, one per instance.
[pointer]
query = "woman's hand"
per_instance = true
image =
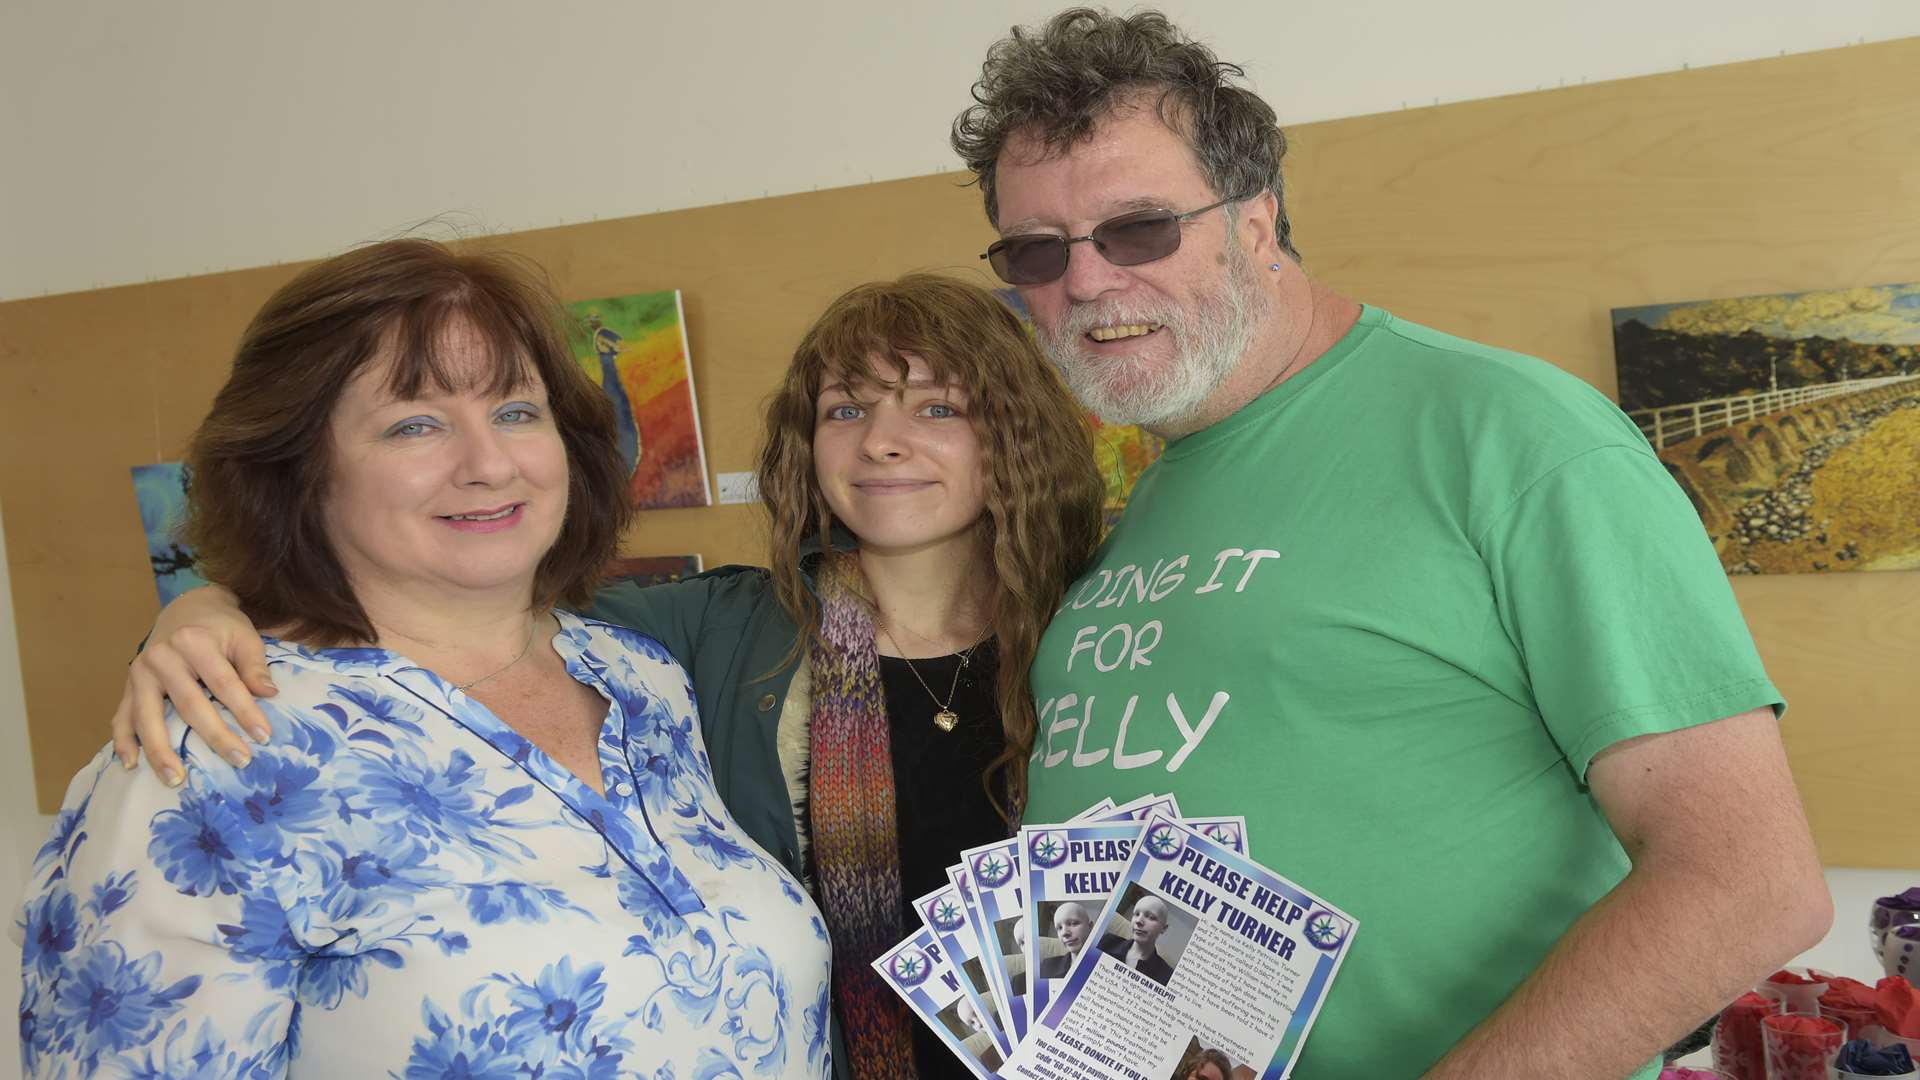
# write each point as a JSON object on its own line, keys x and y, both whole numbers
{"x": 200, "y": 645}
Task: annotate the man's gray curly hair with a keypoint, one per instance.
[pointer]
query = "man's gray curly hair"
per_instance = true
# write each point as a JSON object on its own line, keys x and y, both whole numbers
{"x": 1056, "y": 82}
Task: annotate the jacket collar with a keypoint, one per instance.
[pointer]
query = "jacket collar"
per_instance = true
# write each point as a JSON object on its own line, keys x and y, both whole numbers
{"x": 812, "y": 554}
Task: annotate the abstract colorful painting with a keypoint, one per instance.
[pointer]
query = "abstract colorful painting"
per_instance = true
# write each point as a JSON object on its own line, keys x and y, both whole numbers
{"x": 1122, "y": 451}
{"x": 652, "y": 569}
{"x": 1791, "y": 420}
{"x": 635, "y": 347}
{"x": 162, "y": 494}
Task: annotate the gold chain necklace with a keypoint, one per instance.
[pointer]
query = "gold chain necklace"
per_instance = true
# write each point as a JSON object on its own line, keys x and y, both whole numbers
{"x": 532, "y": 628}
{"x": 946, "y": 718}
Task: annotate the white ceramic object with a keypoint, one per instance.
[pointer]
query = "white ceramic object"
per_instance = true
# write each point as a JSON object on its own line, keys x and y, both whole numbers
{"x": 1886, "y": 919}
{"x": 1900, "y": 951}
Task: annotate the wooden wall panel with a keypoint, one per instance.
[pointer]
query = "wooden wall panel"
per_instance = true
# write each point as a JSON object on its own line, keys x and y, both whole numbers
{"x": 1519, "y": 221}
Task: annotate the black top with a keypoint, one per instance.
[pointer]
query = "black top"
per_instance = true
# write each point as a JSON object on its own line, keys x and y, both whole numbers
{"x": 1154, "y": 967}
{"x": 942, "y": 808}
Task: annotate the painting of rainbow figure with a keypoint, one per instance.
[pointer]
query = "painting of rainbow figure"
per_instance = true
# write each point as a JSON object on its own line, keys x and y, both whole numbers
{"x": 635, "y": 349}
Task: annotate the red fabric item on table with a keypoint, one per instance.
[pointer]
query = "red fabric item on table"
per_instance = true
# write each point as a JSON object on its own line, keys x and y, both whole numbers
{"x": 1846, "y": 993}
{"x": 1737, "y": 1049}
{"x": 1801, "y": 1047}
{"x": 1791, "y": 1024}
{"x": 1853, "y": 1003}
{"x": 1898, "y": 1004}
{"x": 1798, "y": 989}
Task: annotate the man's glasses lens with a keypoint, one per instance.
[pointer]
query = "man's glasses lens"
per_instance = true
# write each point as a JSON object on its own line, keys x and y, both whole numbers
{"x": 1132, "y": 239}
{"x": 1128, "y": 240}
{"x": 1028, "y": 260}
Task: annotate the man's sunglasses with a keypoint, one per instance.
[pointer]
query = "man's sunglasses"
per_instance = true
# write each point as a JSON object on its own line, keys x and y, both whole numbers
{"x": 1127, "y": 240}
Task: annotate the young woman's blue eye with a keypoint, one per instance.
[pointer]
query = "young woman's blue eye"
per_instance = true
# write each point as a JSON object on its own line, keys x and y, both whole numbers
{"x": 941, "y": 410}
{"x": 845, "y": 411}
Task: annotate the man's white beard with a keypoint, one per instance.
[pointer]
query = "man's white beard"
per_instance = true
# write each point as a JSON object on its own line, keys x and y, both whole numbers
{"x": 1207, "y": 344}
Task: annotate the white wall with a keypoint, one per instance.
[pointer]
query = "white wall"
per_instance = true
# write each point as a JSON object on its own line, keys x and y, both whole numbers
{"x": 141, "y": 140}
{"x": 170, "y": 137}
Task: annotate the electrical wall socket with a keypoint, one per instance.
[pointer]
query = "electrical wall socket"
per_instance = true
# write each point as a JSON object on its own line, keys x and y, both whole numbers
{"x": 737, "y": 487}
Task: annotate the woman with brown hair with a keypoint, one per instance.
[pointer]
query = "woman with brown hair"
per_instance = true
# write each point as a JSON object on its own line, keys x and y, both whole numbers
{"x": 932, "y": 492}
{"x": 483, "y": 840}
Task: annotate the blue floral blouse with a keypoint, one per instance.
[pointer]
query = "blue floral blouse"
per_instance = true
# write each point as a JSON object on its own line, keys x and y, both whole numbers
{"x": 399, "y": 885}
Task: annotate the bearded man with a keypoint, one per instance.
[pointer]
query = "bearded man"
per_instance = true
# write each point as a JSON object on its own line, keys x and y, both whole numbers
{"x": 1432, "y": 612}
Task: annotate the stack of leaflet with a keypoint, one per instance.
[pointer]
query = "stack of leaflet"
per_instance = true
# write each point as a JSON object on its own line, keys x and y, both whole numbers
{"x": 1123, "y": 943}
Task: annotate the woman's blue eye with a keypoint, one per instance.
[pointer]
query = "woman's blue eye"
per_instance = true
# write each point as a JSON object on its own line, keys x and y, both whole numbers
{"x": 516, "y": 415}
{"x": 844, "y": 412}
{"x": 410, "y": 428}
{"x": 940, "y": 410}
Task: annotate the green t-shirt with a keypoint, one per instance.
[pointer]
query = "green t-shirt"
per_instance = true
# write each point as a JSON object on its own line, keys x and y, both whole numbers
{"x": 1390, "y": 611}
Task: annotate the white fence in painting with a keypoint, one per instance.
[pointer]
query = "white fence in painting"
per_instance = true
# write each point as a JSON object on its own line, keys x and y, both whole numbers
{"x": 1678, "y": 423}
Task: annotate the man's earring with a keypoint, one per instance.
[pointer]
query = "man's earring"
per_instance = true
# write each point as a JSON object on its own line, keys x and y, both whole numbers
{"x": 1273, "y": 266}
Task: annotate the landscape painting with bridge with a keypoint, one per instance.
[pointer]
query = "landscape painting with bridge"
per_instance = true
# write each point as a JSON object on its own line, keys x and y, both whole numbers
{"x": 1792, "y": 421}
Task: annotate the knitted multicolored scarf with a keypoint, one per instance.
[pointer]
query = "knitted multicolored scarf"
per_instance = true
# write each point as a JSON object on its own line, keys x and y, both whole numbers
{"x": 856, "y": 848}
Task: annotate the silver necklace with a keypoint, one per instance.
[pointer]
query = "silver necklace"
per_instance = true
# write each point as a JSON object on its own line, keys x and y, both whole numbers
{"x": 502, "y": 670}
{"x": 946, "y": 718}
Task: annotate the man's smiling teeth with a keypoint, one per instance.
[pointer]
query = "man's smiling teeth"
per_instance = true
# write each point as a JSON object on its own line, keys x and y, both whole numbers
{"x": 1115, "y": 333}
{"x": 496, "y": 516}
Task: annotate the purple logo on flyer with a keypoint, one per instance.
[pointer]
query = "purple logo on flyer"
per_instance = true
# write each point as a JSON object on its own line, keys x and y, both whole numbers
{"x": 1163, "y": 841}
{"x": 1048, "y": 850}
{"x": 945, "y": 914}
{"x": 1223, "y": 834}
{"x": 993, "y": 868}
{"x": 1325, "y": 930}
{"x": 910, "y": 967}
